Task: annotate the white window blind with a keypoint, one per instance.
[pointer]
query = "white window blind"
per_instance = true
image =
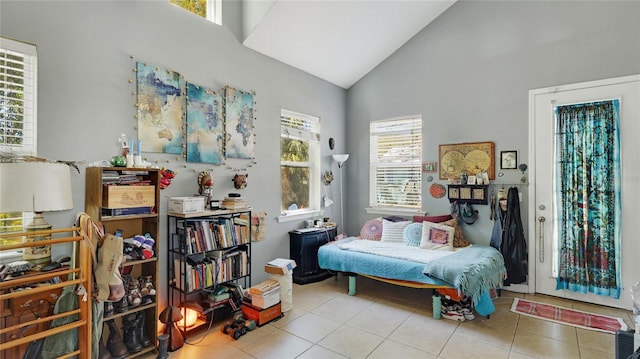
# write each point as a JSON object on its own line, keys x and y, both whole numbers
{"x": 395, "y": 163}
{"x": 18, "y": 78}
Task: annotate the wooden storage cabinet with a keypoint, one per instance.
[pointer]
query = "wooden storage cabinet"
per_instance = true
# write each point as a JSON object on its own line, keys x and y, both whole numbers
{"x": 203, "y": 254}
{"x": 130, "y": 225}
{"x": 303, "y": 248}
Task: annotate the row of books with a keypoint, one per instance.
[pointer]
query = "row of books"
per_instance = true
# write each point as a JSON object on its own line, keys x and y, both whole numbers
{"x": 123, "y": 177}
{"x": 211, "y": 271}
{"x": 210, "y": 234}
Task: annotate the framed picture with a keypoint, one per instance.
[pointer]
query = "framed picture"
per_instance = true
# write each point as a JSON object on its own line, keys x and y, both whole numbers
{"x": 471, "y": 157}
{"x": 430, "y": 167}
{"x": 508, "y": 160}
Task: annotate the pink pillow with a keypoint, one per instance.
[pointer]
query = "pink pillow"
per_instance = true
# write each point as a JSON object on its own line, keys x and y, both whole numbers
{"x": 372, "y": 230}
{"x": 433, "y": 219}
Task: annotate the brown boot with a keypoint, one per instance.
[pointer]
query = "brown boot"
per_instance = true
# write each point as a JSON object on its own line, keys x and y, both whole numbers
{"x": 115, "y": 344}
{"x": 103, "y": 351}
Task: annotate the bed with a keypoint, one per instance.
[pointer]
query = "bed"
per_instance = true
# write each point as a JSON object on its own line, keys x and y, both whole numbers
{"x": 473, "y": 270}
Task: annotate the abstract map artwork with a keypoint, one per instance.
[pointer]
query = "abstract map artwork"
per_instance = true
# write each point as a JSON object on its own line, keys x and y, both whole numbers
{"x": 205, "y": 125}
{"x": 160, "y": 109}
{"x": 239, "y": 124}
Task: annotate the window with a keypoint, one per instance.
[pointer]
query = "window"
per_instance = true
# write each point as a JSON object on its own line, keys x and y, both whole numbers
{"x": 396, "y": 155}
{"x": 208, "y": 9}
{"x": 17, "y": 111}
{"x": 299, "y": 162}
{"x": 17, "y": 97}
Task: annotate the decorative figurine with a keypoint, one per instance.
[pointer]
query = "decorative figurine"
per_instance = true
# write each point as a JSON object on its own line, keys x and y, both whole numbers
{"x": 205, "y": 183}
{"x": 240, "y": 181}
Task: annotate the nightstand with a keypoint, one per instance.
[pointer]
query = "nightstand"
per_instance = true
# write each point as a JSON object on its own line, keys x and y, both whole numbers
{"x": 303, "y": 248}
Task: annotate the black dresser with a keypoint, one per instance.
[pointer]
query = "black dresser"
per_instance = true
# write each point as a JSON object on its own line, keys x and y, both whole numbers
{"x": 303, "y": 248}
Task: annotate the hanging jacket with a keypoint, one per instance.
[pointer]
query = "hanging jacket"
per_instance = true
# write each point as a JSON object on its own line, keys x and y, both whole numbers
{"x": 514, "y": 245}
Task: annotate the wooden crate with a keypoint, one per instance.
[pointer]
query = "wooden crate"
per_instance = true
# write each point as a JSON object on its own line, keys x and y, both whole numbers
{"x": 128, "y": 196}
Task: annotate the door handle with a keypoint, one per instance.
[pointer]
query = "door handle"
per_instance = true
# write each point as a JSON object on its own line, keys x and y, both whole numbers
{"x": 541, "y": 221}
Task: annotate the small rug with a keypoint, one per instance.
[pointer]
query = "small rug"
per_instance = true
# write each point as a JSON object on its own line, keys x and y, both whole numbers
{"x": 576, "y": 318}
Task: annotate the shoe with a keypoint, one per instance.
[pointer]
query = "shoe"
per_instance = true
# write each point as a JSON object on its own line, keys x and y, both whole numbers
{"x": 141, "y": 330}
{"x": 468, "y": 314}
{"x": 122, "y": 305}
{"x": 103, "y": 352}
{"x": 131, "y": 341}
{"x": 108, "y": 309}
{"x": 452, "y": 315}
{"x": 115, "y": 344}
{"x": 133, "y": 294}
{"x": 146, "y": 285}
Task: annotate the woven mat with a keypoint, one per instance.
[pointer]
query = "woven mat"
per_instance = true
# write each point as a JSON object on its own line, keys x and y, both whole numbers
{"x": 576, "y": 318}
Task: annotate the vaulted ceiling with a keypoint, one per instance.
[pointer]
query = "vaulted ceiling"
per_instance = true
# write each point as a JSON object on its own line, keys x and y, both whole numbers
{"x": 337, "y": 40}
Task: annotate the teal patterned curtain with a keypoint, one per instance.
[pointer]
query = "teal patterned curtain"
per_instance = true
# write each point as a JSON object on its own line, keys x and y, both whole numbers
{"x": 587, "y": 190}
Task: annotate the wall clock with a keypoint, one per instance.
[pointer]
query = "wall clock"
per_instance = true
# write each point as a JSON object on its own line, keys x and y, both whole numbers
{"x": 472, "y": 157}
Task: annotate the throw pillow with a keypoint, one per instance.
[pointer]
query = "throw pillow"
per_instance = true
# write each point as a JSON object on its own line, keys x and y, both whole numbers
{"x": 437, "y": 236}
{"x": 459, "y": 240}
{"x": 393, "y": 231}
{"x": 372, "y": 230}
{"x": 412, "y": 234}
{"x": 432, "y": 219}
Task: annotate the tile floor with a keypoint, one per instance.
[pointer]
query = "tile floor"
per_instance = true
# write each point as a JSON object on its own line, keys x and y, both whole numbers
{"x": 387, "y": 321}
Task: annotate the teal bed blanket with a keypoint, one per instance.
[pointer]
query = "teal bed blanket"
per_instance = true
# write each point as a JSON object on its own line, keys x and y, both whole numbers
{"x": 473, "y": 271}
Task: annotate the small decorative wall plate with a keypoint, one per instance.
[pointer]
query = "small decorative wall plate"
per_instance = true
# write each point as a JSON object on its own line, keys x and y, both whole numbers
{"x": 437, "y": 190}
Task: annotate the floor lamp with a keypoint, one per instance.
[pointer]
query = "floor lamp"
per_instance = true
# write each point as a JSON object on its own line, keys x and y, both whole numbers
{"x": 341, "y": 159}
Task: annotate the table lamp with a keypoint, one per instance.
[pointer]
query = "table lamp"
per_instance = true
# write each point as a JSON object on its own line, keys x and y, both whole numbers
{"x": 35, "y": 187}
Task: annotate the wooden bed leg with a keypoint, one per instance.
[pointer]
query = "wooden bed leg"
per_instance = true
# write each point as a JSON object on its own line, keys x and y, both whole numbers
{"x": 352, "y": 285}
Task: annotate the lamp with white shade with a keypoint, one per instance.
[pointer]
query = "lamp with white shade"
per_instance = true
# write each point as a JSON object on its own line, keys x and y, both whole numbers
{"x": 341, "y": 159}
{"x": 35, "y": 187}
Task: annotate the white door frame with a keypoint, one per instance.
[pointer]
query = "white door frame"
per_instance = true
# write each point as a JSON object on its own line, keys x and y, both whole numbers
{"x": 533, "y": 245}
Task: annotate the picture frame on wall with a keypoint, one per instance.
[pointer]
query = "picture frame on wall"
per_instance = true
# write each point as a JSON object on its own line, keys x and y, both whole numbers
{"x": 430, "y": 167}
{"x": 508, "y": 160}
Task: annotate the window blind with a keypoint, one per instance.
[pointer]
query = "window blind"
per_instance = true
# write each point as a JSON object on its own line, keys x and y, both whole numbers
{"x": 395, "y": 163}
{"x": 18, "y": 65}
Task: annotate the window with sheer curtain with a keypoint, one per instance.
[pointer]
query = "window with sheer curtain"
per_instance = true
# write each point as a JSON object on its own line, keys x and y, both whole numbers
{"x": 395, "y": 176}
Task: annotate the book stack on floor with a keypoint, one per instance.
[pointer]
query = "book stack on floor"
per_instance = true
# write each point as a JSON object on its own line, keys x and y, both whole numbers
{"x": 263, "y": 302}
{"x": 265, "y": 294}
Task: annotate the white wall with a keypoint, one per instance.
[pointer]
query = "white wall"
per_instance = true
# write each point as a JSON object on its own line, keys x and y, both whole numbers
{"x": 469, "y": 72}
{"x": 85, "y": 98}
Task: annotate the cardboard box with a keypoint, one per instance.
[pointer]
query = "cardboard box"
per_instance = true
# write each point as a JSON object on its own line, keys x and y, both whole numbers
{"x": 128, "y": 196}
{"x": 266, "y": 300}
{"x": 186, "y": 205}
{"x": 261, "y": 316}
{"x": 280, "y": 266}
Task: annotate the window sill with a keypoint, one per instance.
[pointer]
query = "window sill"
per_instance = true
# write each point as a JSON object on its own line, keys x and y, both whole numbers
{"x": 10, "y": 256}
{"x": 394, "y": 211}
{"x": 288, "y": 217}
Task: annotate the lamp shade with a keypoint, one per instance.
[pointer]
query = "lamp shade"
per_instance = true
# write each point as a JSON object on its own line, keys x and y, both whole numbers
{"x": 35, "y": 187}
{"x": 340, "y": 159}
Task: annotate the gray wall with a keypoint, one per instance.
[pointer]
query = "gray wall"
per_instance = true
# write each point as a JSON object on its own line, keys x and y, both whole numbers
{"x": 469, "y": 72}
{"x": 85, "y": 100}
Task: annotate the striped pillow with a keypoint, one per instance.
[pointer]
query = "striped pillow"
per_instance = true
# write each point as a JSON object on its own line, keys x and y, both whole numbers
{"x": 393, "y": 231}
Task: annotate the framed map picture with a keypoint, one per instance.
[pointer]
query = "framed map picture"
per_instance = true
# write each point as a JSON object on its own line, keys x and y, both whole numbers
{"x": 471, "y": 157}
{"x": 159, "y": 102}
{"x": 239, "y": 124}
{"x": 205, "y": 125}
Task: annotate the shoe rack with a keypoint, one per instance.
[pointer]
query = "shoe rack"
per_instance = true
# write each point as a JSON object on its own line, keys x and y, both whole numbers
{"x": 132, "y": 211}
